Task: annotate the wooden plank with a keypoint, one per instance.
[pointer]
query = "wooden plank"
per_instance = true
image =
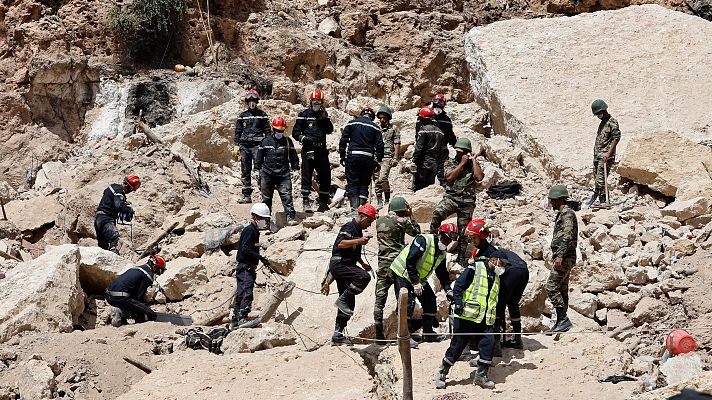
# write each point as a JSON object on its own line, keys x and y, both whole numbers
{"x": 404, "y": 344}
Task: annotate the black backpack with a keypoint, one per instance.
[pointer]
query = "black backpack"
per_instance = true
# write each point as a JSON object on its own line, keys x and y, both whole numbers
{"x": 196, "y": 339}
{"x": 504, "y": 190}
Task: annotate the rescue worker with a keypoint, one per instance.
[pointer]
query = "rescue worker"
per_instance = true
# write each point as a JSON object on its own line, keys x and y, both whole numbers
{"x": 112, "y": 207}
{"x": 512, "y": 284}
{"x": 478, "y": 232}
{"x": 604, "y": 150}
{"x": 248, "y": 255}
{"x": 563, "y": 247}
{"x": 311, "y": 128}
{"x": 126, "y": 294}
{"x": 411, "y": 269}
{"x": 350, "y": 279}
{"x": 365, "y": 153}
{"x": 429, "y": 149}
{"x": 390, "y": 230}
{"x": 275, "y": 158}
{"x": 463, "y": 173}
{"x": 475, "y": 296}
{"x": 251, "y": 127}
{"x": 391, "y": 156}
{"x": 443, "y": 121}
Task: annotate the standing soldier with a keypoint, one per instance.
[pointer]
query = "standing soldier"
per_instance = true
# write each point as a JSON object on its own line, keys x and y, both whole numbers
{"x": 275, "y": 157}
{"x": 412, "y": 268}
{"x": 604, "y": 151}
{"x": 311, "y": 128}
{"x": 391, "y": 230}
{"x": 365, "y": 145}
{"x": 251, "y": 127}
{"x": 112, "y": 207}
{"x": 429, "y": 149}
{"x": 350, "y": 279}
{"x": 463, "y": 172}
{"x": 391, "y": 155}
{"x": 475, "y": 295}
{"x": 563, "y": 247}
{"x": 443, "y": 122}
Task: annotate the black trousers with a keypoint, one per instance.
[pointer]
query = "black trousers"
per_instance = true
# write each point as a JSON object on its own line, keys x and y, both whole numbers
{"x": 485, "y": 343}
{"x": 138, "y": 310}
{"x": 423, "y": 177}
{"x": 427, "y": 299}
{"x": 248, "y": 154}
{"x": 512, "y": 284}
{"x": 106, "y": 233}
{"x": 347, "y": 274}
{"x": 318, "y": 160}
{"x": 245, "y": 275}
{"x": 359, "y": 170}
{"x": 283, "y": 185}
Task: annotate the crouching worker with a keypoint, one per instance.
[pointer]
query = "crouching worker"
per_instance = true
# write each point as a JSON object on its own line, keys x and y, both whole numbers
{"x": 126, "y": 293}
{"x": 475, "y": 305}
{"x": 248, "y": 255}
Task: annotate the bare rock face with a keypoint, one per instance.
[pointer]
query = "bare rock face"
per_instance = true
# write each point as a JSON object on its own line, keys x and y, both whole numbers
{"x": 581, "y": 58}
{"x": 42, "y": 295}
{"x": 99, "y": 267}
{"x": 182, "y": 278}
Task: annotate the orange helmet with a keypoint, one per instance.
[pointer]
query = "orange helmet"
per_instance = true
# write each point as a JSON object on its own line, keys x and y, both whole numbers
{"x": 132, "y": 181}
{"x": 368, "y": 210}
{"x": 316, "y": 95}
{"x": 426, "y": 113}
{"x": 157, "y": 264}
{"x": 279, "y": 124}
{"x": 252, "y": 94}
{"x": 479, "y": 228}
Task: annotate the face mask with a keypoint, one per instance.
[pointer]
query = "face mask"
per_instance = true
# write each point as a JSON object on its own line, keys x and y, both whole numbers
{"x": 316, "y": 108}
{"x": 437, "y": 111}
{"x": 442, "y": 246}
{"x": 278, "y": 135}
{"x": 252, "y": 105}
{"x": 261, "y": 223}
{"x": 499, "y": 270}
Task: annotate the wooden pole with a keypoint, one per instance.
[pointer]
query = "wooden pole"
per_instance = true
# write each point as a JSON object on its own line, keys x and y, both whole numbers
{"x": 149, "y": 247}
{"x": 2, "y": 205}
{"x": 138, "y": 364}
{"x": 404, "y": 344}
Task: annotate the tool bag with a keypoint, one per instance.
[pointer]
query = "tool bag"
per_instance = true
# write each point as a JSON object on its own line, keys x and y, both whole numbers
{"x": 211, "y": 341}
{"x": 504, "y": 190}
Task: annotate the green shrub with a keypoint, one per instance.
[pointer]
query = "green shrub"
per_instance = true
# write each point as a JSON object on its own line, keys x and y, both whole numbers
{"x": 144, "y": 27}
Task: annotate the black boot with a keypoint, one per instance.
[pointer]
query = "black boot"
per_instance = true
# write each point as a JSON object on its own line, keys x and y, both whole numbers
{"x": 353, "y": 201}
{"x": 481, "y": 378}
{"x": 380, "y": 336}
{"x": 429, "y": 334}
{"x": 338, "y": 338}
{"x": 386, "y": 197}
{"x": 307, "y": 205}
{"x": 516, "y": 341}
{"x": 342, "y": 303}
{"x": 322, "y": 205}
{"x": 379, "y": 200}
{"x": 441, "y": 375}
{"x": 564, "y": 323}
{"x": 592, "y": 199}
{"x": 602, "y": 198}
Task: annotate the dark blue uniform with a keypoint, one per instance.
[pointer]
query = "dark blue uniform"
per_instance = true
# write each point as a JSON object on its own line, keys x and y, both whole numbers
{"x": 113, "y": 202}
{"x": 248, "y": 255}
{"x": 274, "y": 159}
{"x": 251, "y": 127}
{"x": 443, "y": 122}
{"x": 127, "y": 292}
{"x": 310, "y": 130}
{"x": 365, "y": 145}
{"x": 511, "y": 288}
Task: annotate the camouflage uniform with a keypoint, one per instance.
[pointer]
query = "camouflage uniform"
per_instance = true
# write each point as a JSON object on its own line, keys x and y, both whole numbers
{"x": 563, "y": 244}
{"x": 391, "y": 230}
{"x": 391, "y": 138}
{"x": 459, "y": 198}
{"x": 607, "y": 133}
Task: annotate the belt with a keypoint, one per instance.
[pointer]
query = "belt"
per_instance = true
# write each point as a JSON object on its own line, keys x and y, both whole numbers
{"x": 361, "y": 153}
{"x": 118, "y": 294}
{"x": 100, "y": 212}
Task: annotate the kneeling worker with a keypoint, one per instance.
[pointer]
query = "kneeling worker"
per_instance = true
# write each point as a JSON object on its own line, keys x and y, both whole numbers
{"x": 126, "y": 293}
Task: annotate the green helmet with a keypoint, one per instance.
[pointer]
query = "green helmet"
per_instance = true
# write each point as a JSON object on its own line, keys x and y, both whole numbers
{"x": 598, "y": 105}
{"x": 558, "y": 192}
{"x": 398, "y": 204}
{"x": 463, "y": 144}
{"x": 385, "y": 110}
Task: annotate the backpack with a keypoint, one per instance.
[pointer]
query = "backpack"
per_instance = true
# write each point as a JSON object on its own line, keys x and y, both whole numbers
{"x": 504, "y": 190}
{"x": 211, "y": 341}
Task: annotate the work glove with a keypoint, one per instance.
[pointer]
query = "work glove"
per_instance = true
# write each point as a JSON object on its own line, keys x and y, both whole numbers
{"x": 394, "y": 162}
{"x": 418, "y": 289}
{"x": 236, "y": 152}
{"x": 457, "y": 309}
{"x": 449, "y": 295}
{"x": 376, "y": 167}
{"x": 326, "y": 282}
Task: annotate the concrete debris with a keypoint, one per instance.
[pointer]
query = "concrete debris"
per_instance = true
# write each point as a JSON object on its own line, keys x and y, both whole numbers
{"x": 182, "y": 278}
{"x": 250, "y": 340}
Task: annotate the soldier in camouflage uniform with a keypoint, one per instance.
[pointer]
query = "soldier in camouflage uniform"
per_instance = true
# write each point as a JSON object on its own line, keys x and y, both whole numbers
{"x": 563, "y": 247}
{"x": 391, "y": 148}
{"x": 604, "y": 151}
{"x": 391, "y": 230}
{"x": 461, "y": 174}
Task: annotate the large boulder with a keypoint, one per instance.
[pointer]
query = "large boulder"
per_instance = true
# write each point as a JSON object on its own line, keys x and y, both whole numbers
{"x": 283, "y": 256}
{"x": 649, "y": 309}
{"x": 687, "y": 209}
{"x": 99, "y": 267}
{"x": 42, "y": 295}
{"x": 581, "y": 55}
{"x": 33, "y": 214}
{"x": 182, "y": 278}
{"x": 424, "y": 201}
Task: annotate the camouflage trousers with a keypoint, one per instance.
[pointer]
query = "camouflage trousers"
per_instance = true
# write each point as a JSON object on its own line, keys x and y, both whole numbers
{"x": 599, "y": 174}
{"x": 464, "y": 209}
{"x": 384, "y": 281}
{"x": 558, "y": 283}
{"x": 380, "y": 177}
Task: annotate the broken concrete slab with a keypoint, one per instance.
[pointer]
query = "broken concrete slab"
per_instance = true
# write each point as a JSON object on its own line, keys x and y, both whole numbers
{"x": 33, "y": 214}
{"x": 250, "y": 340}
{"x": 182, "y": 278}
{"x": 687, "y": 209}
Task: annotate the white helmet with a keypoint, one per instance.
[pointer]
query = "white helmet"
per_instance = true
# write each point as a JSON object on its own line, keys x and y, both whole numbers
{"x": 260, "y": 210}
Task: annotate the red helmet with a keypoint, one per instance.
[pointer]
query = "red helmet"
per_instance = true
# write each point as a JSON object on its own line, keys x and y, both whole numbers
{"x": 368, "y": 210}
{"x": 439, "y": 100}
{"x": 157, "y": 263}
{"x": 447, "y": 231}
{"x": 426, "y": 112}
{"x": 478, "y": 227}
{"x": 316, "y": 95}
{"x": 132, "y": 181}
{"x": 279, "y": 124}
{"x": 252, "y": 95}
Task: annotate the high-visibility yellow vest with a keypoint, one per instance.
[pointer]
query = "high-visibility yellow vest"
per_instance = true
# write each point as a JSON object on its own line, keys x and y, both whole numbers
{"x": 478, "y": 301}
{"x": 426, "y": 264}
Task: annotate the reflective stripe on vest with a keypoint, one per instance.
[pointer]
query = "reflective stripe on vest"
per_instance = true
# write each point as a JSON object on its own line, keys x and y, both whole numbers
{"x": 480, "y": 302}
{"x": 148, "y": 275}
{"x": 425, "y": 265}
